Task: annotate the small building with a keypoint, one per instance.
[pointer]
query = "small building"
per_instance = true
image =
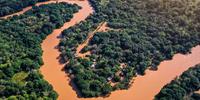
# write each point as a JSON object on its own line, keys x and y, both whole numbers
{"x": 93, "y": 66}
{"x": 109, "y": 78}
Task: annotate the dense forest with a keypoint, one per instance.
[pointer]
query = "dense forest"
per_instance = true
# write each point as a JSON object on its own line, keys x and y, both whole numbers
{"x": 144, "y": 33}
{"x": 183, "y": 87}
{"x": 12, "y": 6}
{"x": 20, "y": 51}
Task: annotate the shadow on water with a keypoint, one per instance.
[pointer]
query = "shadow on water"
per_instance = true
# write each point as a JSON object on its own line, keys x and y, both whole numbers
{"x": 75, "y": 88}
{"x": 71, "y": 82}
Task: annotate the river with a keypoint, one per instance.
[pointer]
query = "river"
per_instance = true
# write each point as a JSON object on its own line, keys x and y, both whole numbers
{"x": 52, "y": 69}
{"x": 147, "y": 86}
{"x": 144, "y": 87}
{"x": 26, "y": 9}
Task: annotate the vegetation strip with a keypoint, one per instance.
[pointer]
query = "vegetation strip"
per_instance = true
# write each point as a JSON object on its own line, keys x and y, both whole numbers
{"x": 13, "y": 6}
{"x": 20, "y": 53}
{"x": 85, "y": 43}
{"x": 183, "y": 87}
{"x": 150, "y": 32}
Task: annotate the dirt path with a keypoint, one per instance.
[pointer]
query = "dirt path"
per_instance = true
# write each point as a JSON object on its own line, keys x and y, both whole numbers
{"x": 143, "y": 88}
{"x": 101, "y": 27}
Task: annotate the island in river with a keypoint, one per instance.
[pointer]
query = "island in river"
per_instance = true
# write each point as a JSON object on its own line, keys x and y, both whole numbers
{"x": 144, "y": 33}
{"x": 141, "y": 35}
{"x": 21, "y": 53}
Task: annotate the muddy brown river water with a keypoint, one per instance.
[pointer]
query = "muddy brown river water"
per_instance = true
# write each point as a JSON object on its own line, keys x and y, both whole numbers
{"x": 144, "y": 87}
{"x": 52, "y": 69}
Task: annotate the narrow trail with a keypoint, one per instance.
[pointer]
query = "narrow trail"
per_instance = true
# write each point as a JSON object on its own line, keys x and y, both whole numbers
{"x": 144, "y": 87}
{"x": 101, "y": 27}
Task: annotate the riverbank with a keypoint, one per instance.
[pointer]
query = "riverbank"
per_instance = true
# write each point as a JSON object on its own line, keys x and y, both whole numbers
{"x": 52, "y": 69}
{"x": 148, "y": 85}
{"x": 27, "y": 8}
{"x": 144, "y": 87}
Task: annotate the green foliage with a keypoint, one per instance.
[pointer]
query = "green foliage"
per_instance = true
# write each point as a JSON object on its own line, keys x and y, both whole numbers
{"x": 144, "y": 33}
{"x": 12, "y": 6}
{"x": 20, "y": 51}
{"x": 18, "y": 78}
{"x": 183, "y": 87}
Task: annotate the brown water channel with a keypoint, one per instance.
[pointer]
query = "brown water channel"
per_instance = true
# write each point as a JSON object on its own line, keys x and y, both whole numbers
{"x": 144, "y": 87}
{"x": 52, "y": 69}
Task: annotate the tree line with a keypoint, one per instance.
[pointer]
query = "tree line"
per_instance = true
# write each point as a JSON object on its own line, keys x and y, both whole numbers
{"x": 182, "y": 87}
{"x": 145, "y": 33}
{"x": 20, "y": 51}
{"x": 12, "y": 6}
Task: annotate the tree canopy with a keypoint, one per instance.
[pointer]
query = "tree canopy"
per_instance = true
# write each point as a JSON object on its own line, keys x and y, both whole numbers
{"x": 11, "y": 6}
{"x": 20, "y": 51}
{"x": 183, "y": 87}
{"x": 144, "y": 33}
